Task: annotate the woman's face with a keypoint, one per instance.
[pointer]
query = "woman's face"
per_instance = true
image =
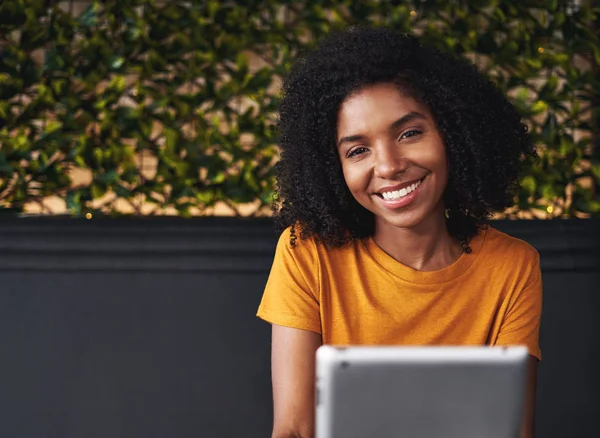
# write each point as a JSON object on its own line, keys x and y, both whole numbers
{"x": 393, "y": 157}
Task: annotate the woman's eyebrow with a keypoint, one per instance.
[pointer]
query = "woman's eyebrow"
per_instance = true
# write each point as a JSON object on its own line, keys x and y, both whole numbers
{"x": 350, "y": 139}
{"x": 413, "y": 115}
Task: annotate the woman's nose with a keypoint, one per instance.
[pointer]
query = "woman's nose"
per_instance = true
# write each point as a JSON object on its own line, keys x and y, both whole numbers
{"x": 389, "y": 161}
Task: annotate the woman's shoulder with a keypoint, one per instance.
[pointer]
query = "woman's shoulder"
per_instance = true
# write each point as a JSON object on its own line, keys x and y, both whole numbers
{"x": 295, "y": 237}
{"x": 293, "y": 245}
{"x": 292, "y": 239}
{"x": 309, "y": 246}
{"x": 499, "y": 244}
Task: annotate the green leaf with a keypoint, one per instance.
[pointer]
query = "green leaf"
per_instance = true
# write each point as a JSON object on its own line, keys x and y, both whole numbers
{"x": 109, "y": 177}
{"x": 549, "y": 191}
{"x": 52, "y": 126}
{"x": 89, "y": 17}
{"x": 241, "y": 62}
{"x": 53, "y": 60}
{"x": 596, "y": 169}
{"x": 98, "y": 191}
{"x": 536, "y": 64}
{"x": 116, "y": 62}
{"x": 529, "y": 184}
{"x": 566, "y": 145}
{"x": 117, "y": 83}
{"x": 171, "y": 138}
{"x": 539, "y": 107}
{"x": 74, "y": 202}
{"x": 593, "y": 206}
{"x": 98, "y": 155}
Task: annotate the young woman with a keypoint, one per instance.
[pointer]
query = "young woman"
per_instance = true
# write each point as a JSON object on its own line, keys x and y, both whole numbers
{"x": 393, "y": 155}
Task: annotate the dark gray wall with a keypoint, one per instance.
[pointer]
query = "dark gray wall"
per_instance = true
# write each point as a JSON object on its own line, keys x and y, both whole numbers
{"x": 146, "y": 328}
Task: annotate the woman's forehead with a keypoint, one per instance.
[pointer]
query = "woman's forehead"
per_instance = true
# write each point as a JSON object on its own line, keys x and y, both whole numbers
{"x": 377, "y": 104}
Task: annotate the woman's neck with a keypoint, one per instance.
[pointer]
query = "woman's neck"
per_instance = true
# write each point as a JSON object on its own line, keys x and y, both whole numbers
{"x": 427, "y": 247}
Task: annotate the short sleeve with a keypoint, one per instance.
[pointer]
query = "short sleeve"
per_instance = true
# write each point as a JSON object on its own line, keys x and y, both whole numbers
{"x": 521, "y": 324}
{"x": 291, "y": 296}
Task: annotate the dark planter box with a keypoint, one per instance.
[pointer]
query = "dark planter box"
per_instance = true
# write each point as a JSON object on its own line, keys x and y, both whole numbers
{"x": 146, "y": 328}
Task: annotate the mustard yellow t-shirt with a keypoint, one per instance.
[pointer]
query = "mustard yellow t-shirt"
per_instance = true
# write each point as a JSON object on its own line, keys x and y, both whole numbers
{"x": 359, "y": 295}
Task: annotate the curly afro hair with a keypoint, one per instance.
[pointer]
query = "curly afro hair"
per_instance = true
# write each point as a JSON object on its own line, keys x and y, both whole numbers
{"x": 484, "y": 136}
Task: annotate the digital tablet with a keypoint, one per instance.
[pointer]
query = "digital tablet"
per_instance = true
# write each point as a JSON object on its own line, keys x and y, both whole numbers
{"x": 420, "y": 392}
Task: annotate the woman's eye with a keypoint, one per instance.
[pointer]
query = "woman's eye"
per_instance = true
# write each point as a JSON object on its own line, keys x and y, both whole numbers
{"x": 410, "y": 133}
{"x": 356, "y": 151}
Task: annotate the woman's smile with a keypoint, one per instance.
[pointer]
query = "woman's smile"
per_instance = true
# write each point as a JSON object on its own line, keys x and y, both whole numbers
{"x": 395, "y": 198}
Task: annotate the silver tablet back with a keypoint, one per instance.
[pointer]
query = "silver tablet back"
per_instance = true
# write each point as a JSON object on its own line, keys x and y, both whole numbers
{"x": 420, "y": 392}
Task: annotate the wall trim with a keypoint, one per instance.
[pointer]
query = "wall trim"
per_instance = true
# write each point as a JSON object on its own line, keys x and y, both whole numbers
{"x": 225, "y": 244}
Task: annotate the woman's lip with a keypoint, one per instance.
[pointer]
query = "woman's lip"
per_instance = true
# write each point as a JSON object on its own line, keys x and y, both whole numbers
{"x": 402, "y": 202}
{"x": 399, "y": 186}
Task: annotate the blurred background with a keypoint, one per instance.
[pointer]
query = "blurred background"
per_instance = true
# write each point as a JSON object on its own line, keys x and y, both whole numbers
{"x": 137, "y": 144}
{"x": 169, "y": 107}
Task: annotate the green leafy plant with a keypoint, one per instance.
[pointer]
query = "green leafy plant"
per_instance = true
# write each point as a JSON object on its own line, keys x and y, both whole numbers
{"x": 151, "y": 107}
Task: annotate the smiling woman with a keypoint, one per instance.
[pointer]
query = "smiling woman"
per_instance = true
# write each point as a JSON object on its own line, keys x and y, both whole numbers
{"x": 393, "y": 155}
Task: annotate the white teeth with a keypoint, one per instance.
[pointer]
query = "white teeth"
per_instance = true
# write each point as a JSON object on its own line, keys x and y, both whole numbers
{"x": 397, "y": 194}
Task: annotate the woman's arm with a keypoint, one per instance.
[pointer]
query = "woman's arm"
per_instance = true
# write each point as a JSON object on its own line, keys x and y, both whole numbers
{"x": 293, "y": 370}
{"x": 528, "y": 426}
